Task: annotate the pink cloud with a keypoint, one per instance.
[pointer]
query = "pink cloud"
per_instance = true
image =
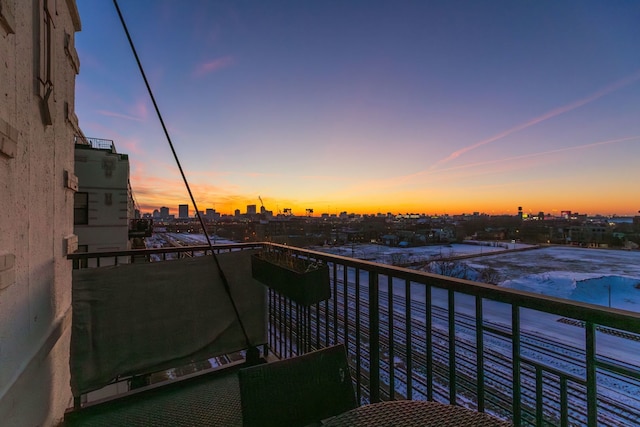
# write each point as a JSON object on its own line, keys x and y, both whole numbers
{"x": 129, "y": 146}
{"x": 213, "y": 65}
{"x": 119, "y": 115}
{"x": 140, "y": 109}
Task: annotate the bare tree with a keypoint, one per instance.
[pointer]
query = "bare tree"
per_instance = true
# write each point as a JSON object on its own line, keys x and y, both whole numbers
{"x": 398, "y": 258}
{"x": 446, "y": 266}
{"x": 490, "y": 275}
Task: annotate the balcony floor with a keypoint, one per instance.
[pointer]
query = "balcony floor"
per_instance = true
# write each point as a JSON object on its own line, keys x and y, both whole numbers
{"x": 211, "y": 400}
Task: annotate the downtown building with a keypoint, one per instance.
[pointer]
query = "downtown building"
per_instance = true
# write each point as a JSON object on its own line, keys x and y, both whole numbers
{"x": 183, "y": 211}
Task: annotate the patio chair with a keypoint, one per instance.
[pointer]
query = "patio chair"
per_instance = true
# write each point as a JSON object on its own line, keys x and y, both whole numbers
{"x": 298, "y": 391}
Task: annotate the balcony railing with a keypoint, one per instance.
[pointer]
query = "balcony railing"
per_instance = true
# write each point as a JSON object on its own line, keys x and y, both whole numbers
{"x": 98, "y": 143}
{"x": 526, "y": 358}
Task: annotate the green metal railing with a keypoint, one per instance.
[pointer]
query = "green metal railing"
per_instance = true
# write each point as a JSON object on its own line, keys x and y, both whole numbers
{"x": 526, "y": 358}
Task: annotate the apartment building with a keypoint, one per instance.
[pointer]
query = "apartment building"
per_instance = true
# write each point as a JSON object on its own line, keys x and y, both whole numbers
{"x": 104, "y": 203}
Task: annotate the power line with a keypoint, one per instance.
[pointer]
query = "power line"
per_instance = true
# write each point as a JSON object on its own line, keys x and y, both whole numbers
{"x": 225, "y": 282}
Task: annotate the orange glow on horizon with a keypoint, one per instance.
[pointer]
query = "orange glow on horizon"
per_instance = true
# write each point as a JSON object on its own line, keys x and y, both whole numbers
{"x": 454, "y": 206}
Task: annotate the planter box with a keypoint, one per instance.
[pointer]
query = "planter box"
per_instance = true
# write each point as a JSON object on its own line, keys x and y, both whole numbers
{"x": 305, "y": 288}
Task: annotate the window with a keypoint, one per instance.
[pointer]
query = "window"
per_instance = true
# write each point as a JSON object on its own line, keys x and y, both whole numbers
{"x": 108, "y": 199}
{"x": 7, "y": 21}
{"x": 8, "y": 140}
{"x": 45, "y": 66}
{"x": 81, "y": 209}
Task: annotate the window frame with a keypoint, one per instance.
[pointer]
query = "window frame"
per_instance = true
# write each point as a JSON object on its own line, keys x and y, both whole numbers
{"x": 80, "y": 213}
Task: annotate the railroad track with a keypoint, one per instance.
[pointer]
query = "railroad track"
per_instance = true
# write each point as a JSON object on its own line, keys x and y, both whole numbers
{"x": 497, "y": 365}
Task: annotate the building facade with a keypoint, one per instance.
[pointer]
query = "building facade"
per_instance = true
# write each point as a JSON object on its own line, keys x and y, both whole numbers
{"x": 104, "y": 202}
{"x": 37, "y": 187}
{"x": 183, "y": 211}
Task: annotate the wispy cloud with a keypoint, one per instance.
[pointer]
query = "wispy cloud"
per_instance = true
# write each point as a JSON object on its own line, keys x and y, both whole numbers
{"x": 538, "y": 154}
{"x": 512, "y": 159}
{"x": 137, "y": 112}
{"x": 444, "y": 174}
{"x": 120, "y": 115}
{"x": 548, "y": 115}
{"x": 213, "y": 65}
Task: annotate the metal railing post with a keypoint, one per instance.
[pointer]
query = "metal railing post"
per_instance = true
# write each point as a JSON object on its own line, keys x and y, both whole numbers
{"x": 392, "y": 353}
{"x": 408, "y": 336}
{"x": 479, "y": 354}
{"x": 515, "y": 347}
{"x": 452, "y": 346}
{"x": 358, "y": 344}
{"x": 592, "y": 396}
{"x": 374, "y": 339}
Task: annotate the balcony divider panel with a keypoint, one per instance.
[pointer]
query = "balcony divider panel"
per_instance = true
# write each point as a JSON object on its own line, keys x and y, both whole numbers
{"x": 114, "y": 333}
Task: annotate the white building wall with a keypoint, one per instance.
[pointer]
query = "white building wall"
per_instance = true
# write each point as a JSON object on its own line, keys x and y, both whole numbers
{"x": 104, "y": 176}
{"x": 36, "y": 209}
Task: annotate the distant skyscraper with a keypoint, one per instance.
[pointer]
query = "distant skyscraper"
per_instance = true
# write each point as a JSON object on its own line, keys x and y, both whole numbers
{"x": 212, "y": 214}
{"x": 164, "y": 212}
{"x": 183, "y": 211}
{"x": 251, "y": 210}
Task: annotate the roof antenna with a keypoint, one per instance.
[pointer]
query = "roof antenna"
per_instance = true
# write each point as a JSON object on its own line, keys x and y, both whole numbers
{"x": 252, "y": 351}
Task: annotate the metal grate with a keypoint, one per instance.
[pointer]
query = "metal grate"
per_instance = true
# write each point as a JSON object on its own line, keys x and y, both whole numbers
{"x": 210, "y": 402}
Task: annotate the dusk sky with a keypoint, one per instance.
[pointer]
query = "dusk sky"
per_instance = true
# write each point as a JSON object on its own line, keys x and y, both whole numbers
{"x": 371, "y": 106}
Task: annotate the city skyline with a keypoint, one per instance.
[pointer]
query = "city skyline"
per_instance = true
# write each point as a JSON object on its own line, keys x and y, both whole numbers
{"x": 164, "y": 212}
{"x": 369, "y": 107}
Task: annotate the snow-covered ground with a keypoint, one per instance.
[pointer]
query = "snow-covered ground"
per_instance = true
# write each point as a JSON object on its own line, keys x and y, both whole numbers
{"x": 578, "y": 274}
{"x": 597, "y": 276}
{"x": 386, "y": 254}
{"x": 159, "y": 240}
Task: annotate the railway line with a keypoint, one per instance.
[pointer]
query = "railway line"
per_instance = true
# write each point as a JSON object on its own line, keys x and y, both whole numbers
{"x": 554, "y": 358}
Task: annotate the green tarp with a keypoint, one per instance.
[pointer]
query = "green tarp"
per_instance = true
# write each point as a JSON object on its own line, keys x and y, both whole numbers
{"x": 144, "y": 317}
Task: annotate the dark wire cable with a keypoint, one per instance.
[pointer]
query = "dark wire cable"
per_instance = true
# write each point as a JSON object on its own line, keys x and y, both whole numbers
{"x": 184, "y": 178}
